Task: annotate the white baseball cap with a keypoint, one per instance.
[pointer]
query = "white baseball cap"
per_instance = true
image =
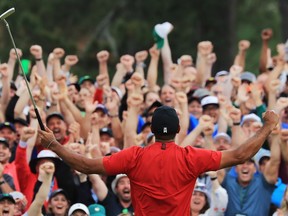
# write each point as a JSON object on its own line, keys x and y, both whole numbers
{"x": 251, "y": 117}
{"x": 209, "y": 100}
{"x": 78, "y": 206}
{"x": 222, "y": 135}
{"x": 115, "y": 181}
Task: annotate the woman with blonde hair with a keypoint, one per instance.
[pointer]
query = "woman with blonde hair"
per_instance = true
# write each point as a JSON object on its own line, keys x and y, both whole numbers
{"x": 283, "y": 210}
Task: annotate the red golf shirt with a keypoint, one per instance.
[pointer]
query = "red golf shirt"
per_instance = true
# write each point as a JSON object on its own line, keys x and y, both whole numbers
{"x": 162, "y": 177}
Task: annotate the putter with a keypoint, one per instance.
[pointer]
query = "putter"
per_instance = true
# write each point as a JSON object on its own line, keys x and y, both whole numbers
{"x": 3, "y": 17}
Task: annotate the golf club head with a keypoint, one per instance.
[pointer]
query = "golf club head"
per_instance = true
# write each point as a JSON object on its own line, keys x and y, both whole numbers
{"x": 7, "y": 13}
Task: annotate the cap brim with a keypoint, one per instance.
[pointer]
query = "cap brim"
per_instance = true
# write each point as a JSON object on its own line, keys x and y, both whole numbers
{"x": 215, "y": 104}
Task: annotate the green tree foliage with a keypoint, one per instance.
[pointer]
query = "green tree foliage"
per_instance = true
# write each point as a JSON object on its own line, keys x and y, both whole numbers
{"x": 125, "y": 26}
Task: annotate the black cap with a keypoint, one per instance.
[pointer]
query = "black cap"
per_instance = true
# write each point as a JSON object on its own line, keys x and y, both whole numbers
{"x": 58, "y": 191}
{"x": 4, "y": 141}
{"x": 106, "y": 130}
{"x": 7, "y": 125}
{"x": 165, "y": 121}
{"x": 76, "y": 85}
{"x": 20, "y": 121}
{"x": 54, "y": 114}
{"x": 6, "y": 196}
{"x": 155, "y": 104}
{"x": 102, "y": 108}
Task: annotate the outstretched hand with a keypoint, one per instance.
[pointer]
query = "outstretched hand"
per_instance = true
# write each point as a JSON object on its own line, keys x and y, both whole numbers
{"x": 47, "y": 138}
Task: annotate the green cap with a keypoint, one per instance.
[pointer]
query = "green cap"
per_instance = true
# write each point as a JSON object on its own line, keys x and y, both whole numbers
{"x": 26, "y": 64}
{"x": 158, "y": 40}
{"x": 85, "y": 78}
{"x": 96, "y": 210}
{"x": 125, "y": 211}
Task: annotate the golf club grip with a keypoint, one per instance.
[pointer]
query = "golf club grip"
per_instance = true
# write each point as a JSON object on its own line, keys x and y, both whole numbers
{"x": 39, "y": 120}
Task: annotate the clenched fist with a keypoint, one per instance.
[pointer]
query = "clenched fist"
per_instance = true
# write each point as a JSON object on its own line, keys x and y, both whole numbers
{"x": 267, "y": 34}
{"x": 36, "y": 51}
{"x": 271, "y": 118}
{"x": 102, "y": 56}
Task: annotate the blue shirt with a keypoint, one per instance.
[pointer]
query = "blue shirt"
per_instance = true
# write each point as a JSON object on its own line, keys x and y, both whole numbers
{"x": 251, "y": 200}
{"x": 193, "y": 122}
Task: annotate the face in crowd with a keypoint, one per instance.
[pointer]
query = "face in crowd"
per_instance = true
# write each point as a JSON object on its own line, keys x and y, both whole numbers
{"x": 84, "y": 95}
{"x": 19, "y": 127}
{"x": 150, "y": 98}
{"x": 167, "y": 95}
{"x": 73, "y": 94}
{"x": 103, "y": 118}
{"x": 213, "y": 111}
{"x": 195, "y": 108}
{"x": 123, "y": 189}
{"x": 5, "y": 153}
{"x": 222, "y": 144}
{"x": 9, "y": 135}
{"x": 106, "y": 138}
{"x": 58, "y": 205}
{"x": 199, "y": 201}
{"x": 87, "y": 84}
{"x": 7, "y": 207}
{"x": 59, "y": 128}
{"x": 250, "y": 126}
{"x": 245, "y": 172}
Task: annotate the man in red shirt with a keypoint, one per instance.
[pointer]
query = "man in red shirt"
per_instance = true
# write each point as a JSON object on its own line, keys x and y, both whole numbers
{"x": 163, "y": 175}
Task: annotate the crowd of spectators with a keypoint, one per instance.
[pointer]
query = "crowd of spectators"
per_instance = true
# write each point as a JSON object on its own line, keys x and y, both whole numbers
{"x": 102, "y": 115}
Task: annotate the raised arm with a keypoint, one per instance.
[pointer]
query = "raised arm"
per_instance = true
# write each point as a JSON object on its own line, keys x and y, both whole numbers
{"x": 98, "y": 186}
{"x": 237, "y": 132}
{"x": 240, "y": 58}
{"x": 46, "y": 171}
{"x": 283, "y": 145}
{"x": 76, "y": 161}
{"x": 140, "y": 58}
{"x": 251, "y": 146}
{"x": 205, "y": 122}
{"x": 37, "y": 52}
{"x": 70, "y": 60}
{"x": 112, "y": 104}
{"x": 152, "y": 73}
{"x": 5, "y": 97}
{"x": 272, "y": 167}
{"x": 12, "y": 61}
{"x": 266, "y": 35}
{"x": 103, "y": 57}
{"x": 204, "y": 49}
{"x": 182, "y": 105}
{"x": 134, "y": 102}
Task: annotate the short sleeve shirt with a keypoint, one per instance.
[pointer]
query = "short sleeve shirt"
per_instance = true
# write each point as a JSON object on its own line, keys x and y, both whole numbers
{"x": 162, "y": 176}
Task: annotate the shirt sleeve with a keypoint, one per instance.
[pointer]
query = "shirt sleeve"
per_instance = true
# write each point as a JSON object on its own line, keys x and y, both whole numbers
{"x": 121, "y": 162}
{"x": 202, "y": 160}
